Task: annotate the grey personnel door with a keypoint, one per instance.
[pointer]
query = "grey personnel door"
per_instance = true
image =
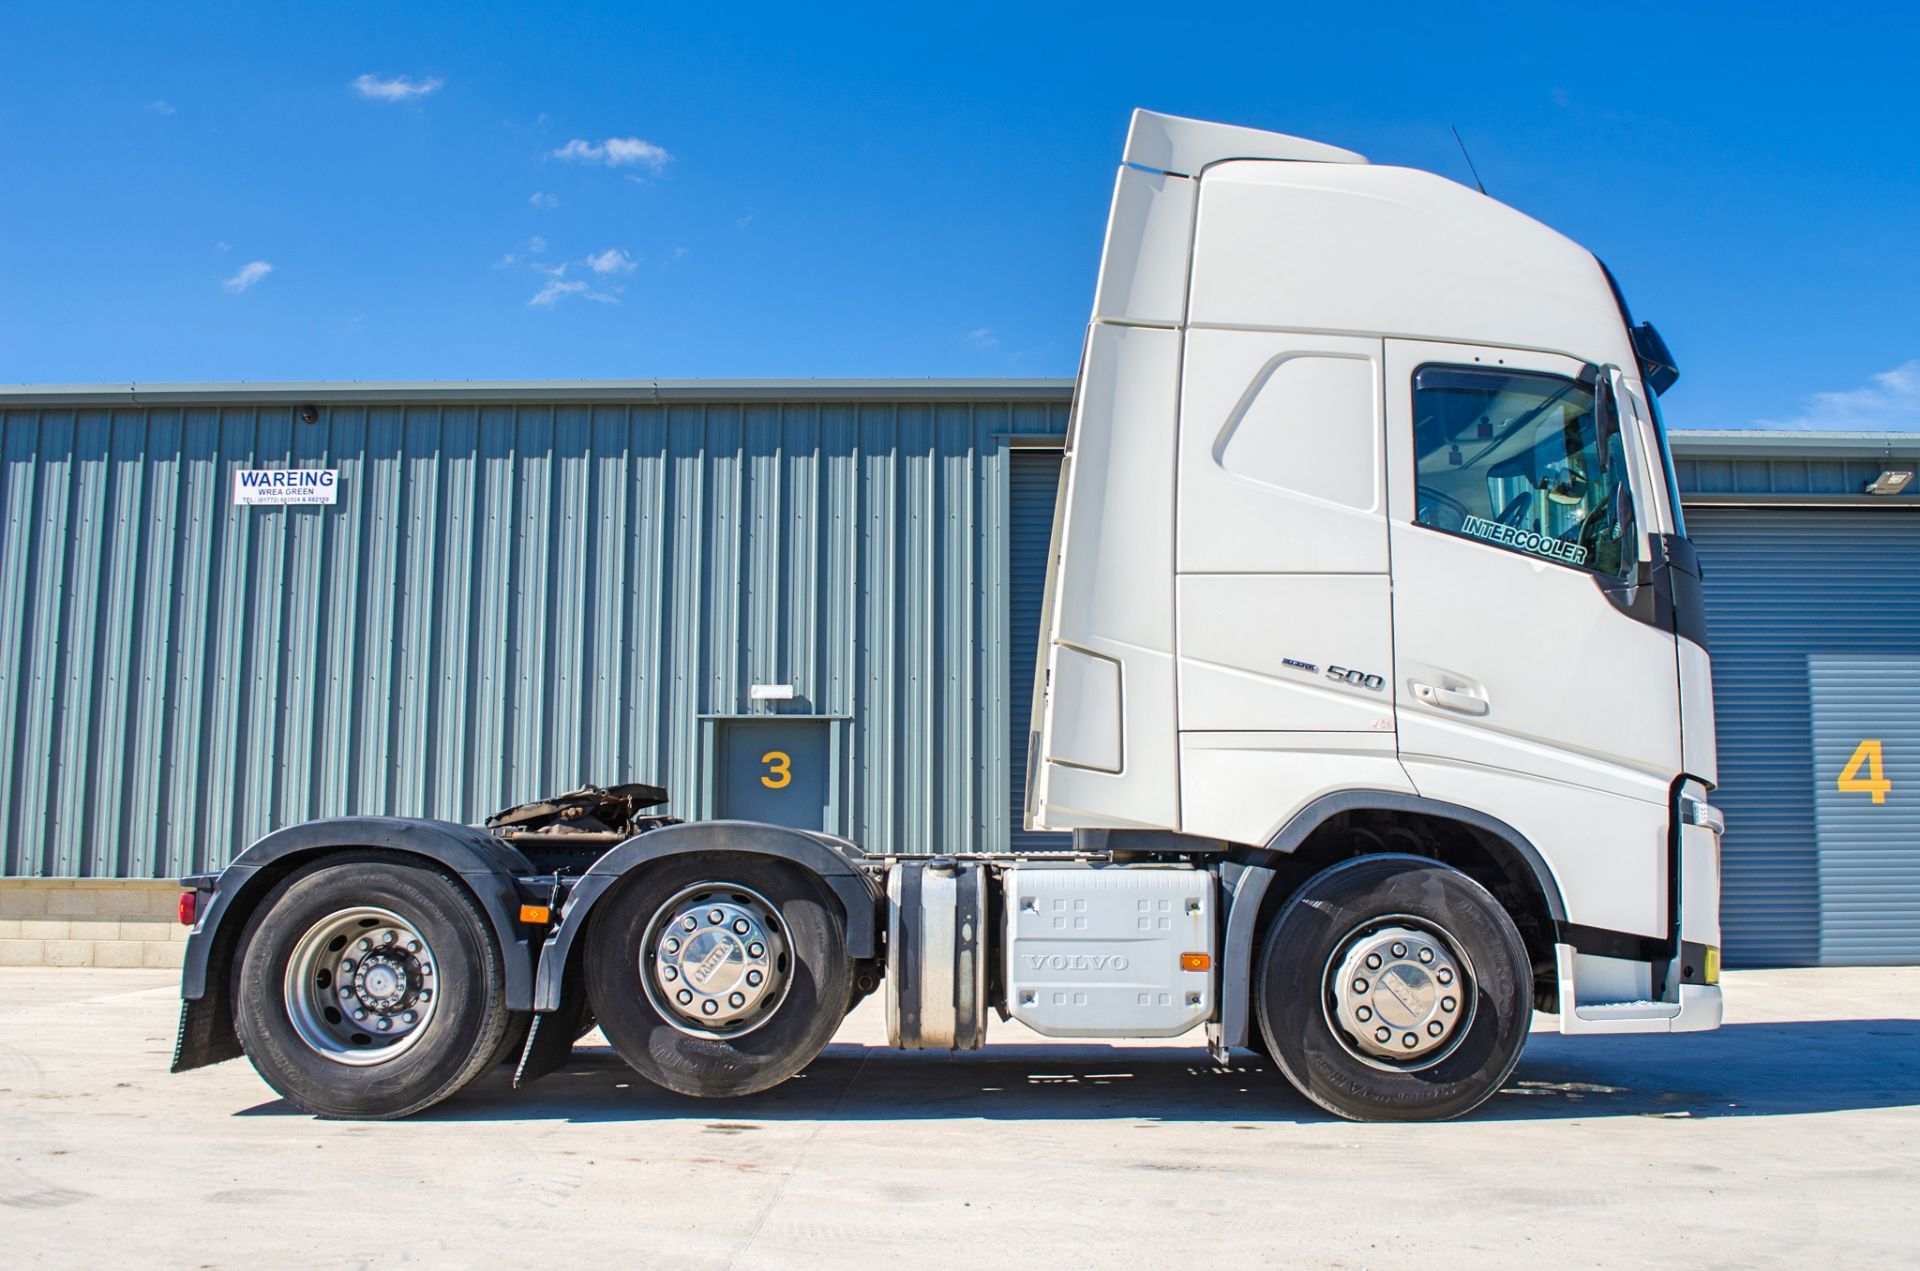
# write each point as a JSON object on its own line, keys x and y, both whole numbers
{"x": 773, "y": 768}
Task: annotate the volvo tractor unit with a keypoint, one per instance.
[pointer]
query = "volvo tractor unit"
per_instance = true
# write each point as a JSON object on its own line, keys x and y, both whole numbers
{"x": 1372, "y": 685}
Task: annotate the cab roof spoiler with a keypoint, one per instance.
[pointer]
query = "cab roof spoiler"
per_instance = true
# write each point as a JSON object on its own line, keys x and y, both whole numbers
{"x": 1182, "y": 147}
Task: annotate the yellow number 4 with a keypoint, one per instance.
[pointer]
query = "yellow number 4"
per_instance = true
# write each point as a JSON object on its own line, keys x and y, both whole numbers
{"x": 780, "y": 769}
{"x": 1875, "y": 783}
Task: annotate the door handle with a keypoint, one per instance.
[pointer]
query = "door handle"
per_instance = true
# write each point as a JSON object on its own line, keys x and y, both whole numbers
{"x": 1449, "y": 699}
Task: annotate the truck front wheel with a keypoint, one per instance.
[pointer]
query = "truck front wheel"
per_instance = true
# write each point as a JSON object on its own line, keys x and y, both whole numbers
{"x": 369, "y": 988}
{"x": 718, "y": 977}
{"x": 1393, "y": 988}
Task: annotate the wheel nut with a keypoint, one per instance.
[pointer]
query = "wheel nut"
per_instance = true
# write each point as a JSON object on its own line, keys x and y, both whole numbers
{"x": 413, "y": 946}
{"x": 345, "y": 993}
{"x": 426, "y": 995}
{"x": 754, "y": 978}
{"x": 1364, "y": 1014}
{"x": 1443, "y": 975}
{"x": 741, "y": 926}
{"x": 426, "y": 969}
{"x": 737, "y": 1000}
{"x": 684, "y": 997}
{"x": 360, "y": 1015}
{"x": 1359, "y": 986}
{"x": 1425, "y": 954}
{"x": 1373, "y": 962}
{"x": 669, "y": 972}
{"x": 673, "y": 944}
{"x": 716, "y": 917}
{"x": 1434, "y": 1029}
{"x": 346, "y": 967}
{"x": 385, "y": 1025}
{"x": 386, "y": 938}
{"x": 755, "y": 949}
{"x": 1399, "y": 950}
{"x": 365, "y": 945}
{"x": 709, "y": 1007}
{"x": 1447, "y": 1004}
{"x": 1382, "y": 1034}
{"x": 1409, "y": 1041}
{"x": 690, "y": 923}
{"x": 409, "y": 1017}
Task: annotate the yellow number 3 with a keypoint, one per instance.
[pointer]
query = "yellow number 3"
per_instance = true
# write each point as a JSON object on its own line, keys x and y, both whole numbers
{"x": 1875, "y": 783}
{"x": 780, "y": 769}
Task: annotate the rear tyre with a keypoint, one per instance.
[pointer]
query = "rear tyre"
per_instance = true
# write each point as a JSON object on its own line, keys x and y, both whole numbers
{"x": 718, "y": 978}
{"x": 1392, "y": 988}
{"x": 367, "y": 988}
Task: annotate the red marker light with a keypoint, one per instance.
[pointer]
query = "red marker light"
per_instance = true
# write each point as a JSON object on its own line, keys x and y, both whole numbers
{"x": 189, "y": 900}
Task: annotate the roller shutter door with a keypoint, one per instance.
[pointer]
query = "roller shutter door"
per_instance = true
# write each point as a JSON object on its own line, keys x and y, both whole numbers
{"x": 1814, "y": 617}
{"x": 1033, "y": 478}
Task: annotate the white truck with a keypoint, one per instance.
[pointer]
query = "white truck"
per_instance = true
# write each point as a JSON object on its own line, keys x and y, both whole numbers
{"x": 1373, "y": 686}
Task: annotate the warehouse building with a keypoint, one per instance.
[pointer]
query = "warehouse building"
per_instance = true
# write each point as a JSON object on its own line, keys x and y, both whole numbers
{"x": 807, "y": 601}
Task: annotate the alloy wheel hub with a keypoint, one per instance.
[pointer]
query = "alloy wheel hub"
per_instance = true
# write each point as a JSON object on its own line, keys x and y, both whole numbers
{"x": 715, "y": 959}
{"x": 1399, "y": 993}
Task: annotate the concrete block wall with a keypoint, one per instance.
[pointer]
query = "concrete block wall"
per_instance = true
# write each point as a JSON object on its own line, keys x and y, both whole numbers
{"x": 81, "y": 922}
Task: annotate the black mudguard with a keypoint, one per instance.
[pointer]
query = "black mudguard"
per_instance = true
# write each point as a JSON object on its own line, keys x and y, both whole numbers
{"x": 836, "y": 863}
{"x": 486, "y": 864}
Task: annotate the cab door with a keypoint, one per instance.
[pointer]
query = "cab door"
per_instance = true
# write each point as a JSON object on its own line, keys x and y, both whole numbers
{"x": 1529, "y": 684}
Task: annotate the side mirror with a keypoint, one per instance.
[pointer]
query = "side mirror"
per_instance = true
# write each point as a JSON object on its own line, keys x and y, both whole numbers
{"x": 1657, "y": 366}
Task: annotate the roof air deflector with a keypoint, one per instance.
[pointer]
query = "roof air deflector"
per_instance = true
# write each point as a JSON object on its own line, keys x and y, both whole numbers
{"x": 1182, "y": 147}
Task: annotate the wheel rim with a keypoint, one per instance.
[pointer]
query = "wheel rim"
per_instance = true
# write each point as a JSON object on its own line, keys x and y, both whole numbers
{"x": 1399, "y": 993}
{"x": 716, "y": 960}
{"x": 360, "y": 986}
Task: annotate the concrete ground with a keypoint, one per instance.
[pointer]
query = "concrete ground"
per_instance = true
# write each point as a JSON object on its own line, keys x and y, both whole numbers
{"x": 1791, "y": 1137}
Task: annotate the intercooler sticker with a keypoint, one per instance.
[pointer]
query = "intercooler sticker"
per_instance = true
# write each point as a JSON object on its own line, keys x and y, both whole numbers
{"x": 1525, "y": 540}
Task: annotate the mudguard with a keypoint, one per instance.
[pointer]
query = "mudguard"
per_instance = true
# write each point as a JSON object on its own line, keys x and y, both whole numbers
{"x": 484, "y": 863}
{"x": 834, "y": 861}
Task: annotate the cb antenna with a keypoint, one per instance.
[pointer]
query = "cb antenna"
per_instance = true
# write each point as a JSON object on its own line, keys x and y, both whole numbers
{"x": 1481, "y": 185}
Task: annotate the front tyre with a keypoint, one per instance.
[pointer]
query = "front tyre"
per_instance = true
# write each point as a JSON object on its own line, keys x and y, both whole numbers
{"x": 1393, "y": 988}
{"x": 718, "y": 977}
{"x": 369, "y": 988}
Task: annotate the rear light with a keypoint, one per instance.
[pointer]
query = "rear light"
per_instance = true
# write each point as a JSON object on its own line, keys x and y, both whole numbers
{"x": 189, "y": 903}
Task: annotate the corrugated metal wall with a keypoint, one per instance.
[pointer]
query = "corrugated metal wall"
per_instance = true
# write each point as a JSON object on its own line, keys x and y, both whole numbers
{"x": 1033, "y": 484}
{"x": 508, "y": 599}
{"x": 1783, "y": 586}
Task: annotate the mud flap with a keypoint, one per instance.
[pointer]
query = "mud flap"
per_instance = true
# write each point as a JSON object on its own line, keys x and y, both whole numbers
{"x": 550, "y": 1039}
{"x": 206, "y": 1034}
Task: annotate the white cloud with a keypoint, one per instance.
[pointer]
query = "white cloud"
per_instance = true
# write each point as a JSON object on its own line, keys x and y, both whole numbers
{"x": 551, "y": 271}
{"x": 536, "y": 244}
{"x": 558, "y": 290}
{"x": 160, "y": 107}
{"x": 1889, "y": 401}
{"x": 616, "y": 152}
{"x": 983, "y": 338}
{"x": 395, "y": 88}
{"x": 542, "y": 199}
{"x": 250, "y": 273}
{"x": 614, "y": 260}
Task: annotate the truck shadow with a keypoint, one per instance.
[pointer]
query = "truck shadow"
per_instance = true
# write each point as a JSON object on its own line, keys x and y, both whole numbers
{"x": 1759, "y": 1069}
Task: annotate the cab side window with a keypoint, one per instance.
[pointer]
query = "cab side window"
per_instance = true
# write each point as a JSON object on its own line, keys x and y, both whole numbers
{"x": 1524, "y": 461}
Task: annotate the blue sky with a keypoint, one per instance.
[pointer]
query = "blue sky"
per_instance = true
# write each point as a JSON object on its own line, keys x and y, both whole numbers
{"x": 251, "y": 192}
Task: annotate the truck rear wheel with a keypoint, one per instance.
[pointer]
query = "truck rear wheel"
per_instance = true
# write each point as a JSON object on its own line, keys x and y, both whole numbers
{"x": 1393, "y": 988}
{"x": 719, "y": 977}
{"x": 368, "y": 988}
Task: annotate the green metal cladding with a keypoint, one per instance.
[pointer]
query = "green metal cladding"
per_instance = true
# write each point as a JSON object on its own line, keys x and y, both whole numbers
{"x": 510, "y": 598}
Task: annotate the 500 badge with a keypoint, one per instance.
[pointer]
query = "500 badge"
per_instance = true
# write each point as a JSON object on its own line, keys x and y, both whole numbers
{"x": 1346, "y": 675}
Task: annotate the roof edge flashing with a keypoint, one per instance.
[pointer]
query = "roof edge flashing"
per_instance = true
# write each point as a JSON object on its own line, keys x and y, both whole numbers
{"x": 1183, "y": 147}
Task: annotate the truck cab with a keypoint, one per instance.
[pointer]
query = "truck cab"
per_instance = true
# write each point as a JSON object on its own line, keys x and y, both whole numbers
{"x": 1367, "y": 519}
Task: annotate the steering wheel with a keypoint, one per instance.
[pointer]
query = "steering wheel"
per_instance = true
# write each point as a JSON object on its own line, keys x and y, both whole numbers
{"x": 1439, "y": 511}
{"x": 1516, "y": 512}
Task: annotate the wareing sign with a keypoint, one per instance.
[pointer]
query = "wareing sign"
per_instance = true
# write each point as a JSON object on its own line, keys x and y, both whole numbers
{"x": 280, "y": 487}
